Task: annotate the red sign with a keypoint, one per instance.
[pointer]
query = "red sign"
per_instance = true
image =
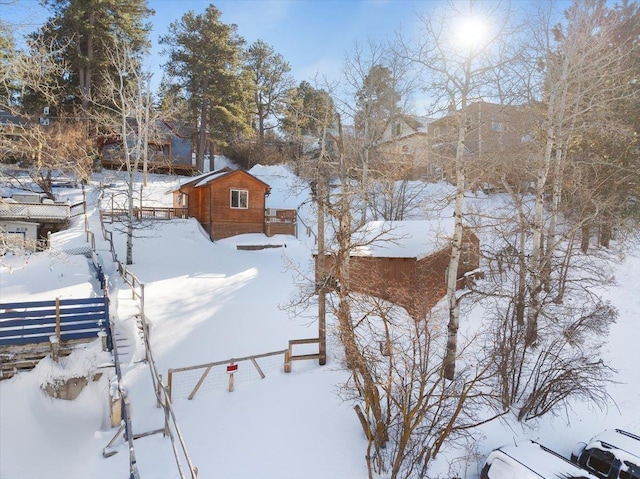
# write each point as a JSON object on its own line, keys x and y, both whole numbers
{"x": 232, "y": 368}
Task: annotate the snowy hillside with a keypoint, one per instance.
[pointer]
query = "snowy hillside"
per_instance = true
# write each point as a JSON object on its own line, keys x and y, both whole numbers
{"x": 206, "y": 302}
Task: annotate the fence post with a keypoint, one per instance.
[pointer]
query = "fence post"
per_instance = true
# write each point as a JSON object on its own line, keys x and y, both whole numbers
{"x": 116, "y": 405}
{"x": 230, "y": 370}
{"x": 142, "y": 300}
{"x": 159, "y": 390}
{"x": 287, "y": 362}
{"x": 58, "y": 318}
{"x": 55, "y": 347}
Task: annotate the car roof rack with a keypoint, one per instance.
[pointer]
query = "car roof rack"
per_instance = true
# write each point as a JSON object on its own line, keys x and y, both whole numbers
{"x": 628, "y": 434}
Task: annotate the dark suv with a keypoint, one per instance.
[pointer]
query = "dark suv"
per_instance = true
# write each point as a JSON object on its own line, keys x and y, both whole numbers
{"x": 530, "y": 460}
{"x": 612, "y": 454}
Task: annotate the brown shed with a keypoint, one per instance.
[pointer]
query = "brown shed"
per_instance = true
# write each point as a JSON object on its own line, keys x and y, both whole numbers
{"x": 228, "y": 202}
{"x": 408, "y": 261}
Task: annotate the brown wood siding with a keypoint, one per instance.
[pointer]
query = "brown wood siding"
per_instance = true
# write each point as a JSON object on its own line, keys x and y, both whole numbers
{"x": 223, "y": 212}
{"x": 272, "y": 229}
{"x": 385, "y": 278}
{"x": 210, "y": 204}
{"x": 229, "y": 221}
{"x": 416, "y": 285}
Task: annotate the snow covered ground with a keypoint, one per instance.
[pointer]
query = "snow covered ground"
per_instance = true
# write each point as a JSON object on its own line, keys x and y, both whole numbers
{"x": 210, "y": 302}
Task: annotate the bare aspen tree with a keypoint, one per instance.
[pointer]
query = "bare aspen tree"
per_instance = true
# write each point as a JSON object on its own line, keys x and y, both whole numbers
{"x": 380, "y": 83}
{"x": 48, "y": 140}
{"x": 580, "y": 59}
{"x": 544, "y": 318}
{"x": 127, "y": 113}
{"x": 456, "y": 68}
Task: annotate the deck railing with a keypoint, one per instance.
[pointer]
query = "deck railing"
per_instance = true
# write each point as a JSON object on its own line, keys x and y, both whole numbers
{"x": 146, "y": 212}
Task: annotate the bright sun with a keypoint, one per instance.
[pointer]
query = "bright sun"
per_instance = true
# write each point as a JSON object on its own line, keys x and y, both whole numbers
{"x": 470, "y": 32}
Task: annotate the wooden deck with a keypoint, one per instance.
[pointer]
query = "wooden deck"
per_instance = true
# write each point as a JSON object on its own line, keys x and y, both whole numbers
{"x": 162, "y": 168}
{"x": 146, "y": 212}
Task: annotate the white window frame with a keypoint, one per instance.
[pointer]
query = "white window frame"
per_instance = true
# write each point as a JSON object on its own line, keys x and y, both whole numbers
{"x": 240, "y": 194}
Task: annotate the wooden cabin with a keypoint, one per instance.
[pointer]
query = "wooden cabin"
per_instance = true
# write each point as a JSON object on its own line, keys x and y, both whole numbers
{"x": 407, "y": 262}
{"x": 230, "y": 202}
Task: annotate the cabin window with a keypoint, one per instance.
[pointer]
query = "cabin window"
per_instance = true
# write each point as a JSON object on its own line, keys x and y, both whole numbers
{"x": 240, "y": 199}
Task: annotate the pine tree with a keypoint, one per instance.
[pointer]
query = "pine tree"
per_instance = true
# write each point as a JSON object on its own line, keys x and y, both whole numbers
{"x": 205, "y": 61}
{"x": 271, "y": 81}
{"x": 306, "y": 109}
{"x": 85, "y": 30}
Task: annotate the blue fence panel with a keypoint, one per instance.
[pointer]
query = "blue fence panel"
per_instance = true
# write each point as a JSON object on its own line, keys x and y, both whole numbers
{"x": 35, "y": 322}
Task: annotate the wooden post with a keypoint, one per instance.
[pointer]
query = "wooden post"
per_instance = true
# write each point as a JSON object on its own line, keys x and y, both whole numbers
{"x": 255, "y": 364}
{"x": 322, "y": 195}
{"x": 159, "y": 390}
{"x": 116, "y": 410}
{"x": 55, "y": 347}
{"x": 142, "y": 301}
{"x": 231, "y": 370}
{"x": 169, "y": 381}
{"x": 103, "y": 340}
{"x": 287, "y": 362}
{"x": 58, "y": 318}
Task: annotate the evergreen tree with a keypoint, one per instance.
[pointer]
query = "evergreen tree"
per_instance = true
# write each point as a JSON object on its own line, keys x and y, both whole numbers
{"x": 7, "y": 53}
{"x": 271, "y": 81}
{"x": 306, "y": 110}
{"x": 84, "y": 31}
{"x": 205, "y": 61}
{"x": 377, "y": 102}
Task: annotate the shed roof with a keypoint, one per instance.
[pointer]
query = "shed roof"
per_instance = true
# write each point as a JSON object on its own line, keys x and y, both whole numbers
{"x": 216, "y": 175}
{"x": 404, "y": 239}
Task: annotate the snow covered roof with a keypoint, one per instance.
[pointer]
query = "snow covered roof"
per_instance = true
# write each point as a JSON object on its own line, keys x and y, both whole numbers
{"x": 404, "y": 239}
{"x": 211, "y": 176}
{"x": 626, "y": 444}
{"x": 530, "y": 460}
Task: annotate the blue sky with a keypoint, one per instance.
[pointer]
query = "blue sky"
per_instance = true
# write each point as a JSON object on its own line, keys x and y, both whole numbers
{"x": 312, "y": 35}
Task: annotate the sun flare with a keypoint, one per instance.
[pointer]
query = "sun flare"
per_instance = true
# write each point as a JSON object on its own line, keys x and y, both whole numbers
{"x": 470, "y": 32}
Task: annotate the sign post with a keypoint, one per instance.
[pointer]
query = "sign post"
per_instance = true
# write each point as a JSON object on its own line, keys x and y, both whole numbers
{"x": 231, "y": 369}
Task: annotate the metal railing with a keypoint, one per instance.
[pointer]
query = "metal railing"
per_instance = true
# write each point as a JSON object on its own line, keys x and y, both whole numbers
{"x": 171, "y": 427}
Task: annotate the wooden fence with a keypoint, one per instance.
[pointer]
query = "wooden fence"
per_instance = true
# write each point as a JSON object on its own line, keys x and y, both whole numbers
{"x": 187, "y": 381}
{"x": 66, "y": 319}
{"x": 171, "y": 427}
{"x": 289, "y": 356}
{"x": 144, "y": 213}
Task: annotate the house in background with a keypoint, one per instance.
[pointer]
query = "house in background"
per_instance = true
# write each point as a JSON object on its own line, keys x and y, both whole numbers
{"x": 170, "y": 148}
{"x": 422, "y": 148}
{"x": 404, "y": 149}
{"x": 18, "y": 235}
{"x": 230, "y": 202}
{"x": 33, "y": 217}
{"x": 496, "y": 137}
{"x": 14, "y": 138}
{"x": 405, "y": 262}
